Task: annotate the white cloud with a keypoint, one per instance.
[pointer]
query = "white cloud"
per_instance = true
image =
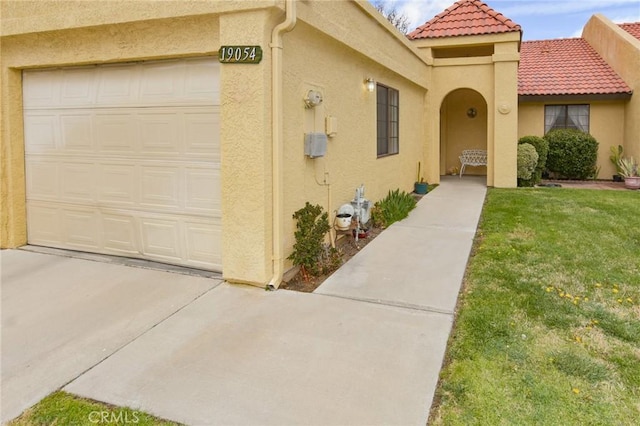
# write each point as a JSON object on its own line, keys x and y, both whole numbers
{"x": 421, "y": 11}
{"x": 513, "y": 8}
{"x": 626, "y": 18}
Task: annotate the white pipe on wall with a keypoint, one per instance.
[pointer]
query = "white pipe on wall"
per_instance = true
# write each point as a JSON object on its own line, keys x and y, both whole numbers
{"x": 277, "y": 179}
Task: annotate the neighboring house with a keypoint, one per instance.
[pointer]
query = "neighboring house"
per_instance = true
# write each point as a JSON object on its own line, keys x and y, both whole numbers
{"x": 123, "y": 133}
{"x": 566, "y": 83}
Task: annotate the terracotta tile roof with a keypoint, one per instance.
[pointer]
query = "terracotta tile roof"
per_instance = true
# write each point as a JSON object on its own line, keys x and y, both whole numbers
{"x": 566, "y": 66}
{"x": 632, "y": 28}
{"x": 465, "y": 17}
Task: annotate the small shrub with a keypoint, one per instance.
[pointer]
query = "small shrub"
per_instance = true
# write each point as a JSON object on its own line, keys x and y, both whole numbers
{"x": 572, "y": 153}
{"x": 311, "y": 227}
{"x": 527, "y": 161}
{"x": 542, "y": 148}
{"x": 394, "y": 207}
{"x": 331, "y": 259}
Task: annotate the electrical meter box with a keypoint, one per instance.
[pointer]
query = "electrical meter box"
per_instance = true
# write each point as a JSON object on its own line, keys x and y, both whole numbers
{"x": 315, "y": 144}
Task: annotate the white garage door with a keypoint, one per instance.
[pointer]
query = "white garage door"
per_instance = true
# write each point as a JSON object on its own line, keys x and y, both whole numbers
{"x": 125, "y": 159}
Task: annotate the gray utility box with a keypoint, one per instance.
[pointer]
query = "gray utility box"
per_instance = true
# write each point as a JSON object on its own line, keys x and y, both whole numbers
{"x": 315, "y": 144}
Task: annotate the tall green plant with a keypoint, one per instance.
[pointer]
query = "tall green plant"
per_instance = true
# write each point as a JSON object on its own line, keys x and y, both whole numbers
{"x": 616, "y": 156}
{"x": 394, "y": 207}
{"x": 311, "y": 227}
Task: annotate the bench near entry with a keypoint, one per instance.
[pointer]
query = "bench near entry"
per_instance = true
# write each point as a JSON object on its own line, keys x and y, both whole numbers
{"x": 472, "y": 157}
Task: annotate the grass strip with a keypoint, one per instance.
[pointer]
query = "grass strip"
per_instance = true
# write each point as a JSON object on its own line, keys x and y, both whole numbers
{"x": 61, "y": 408}
{"x": 548, "y": 325}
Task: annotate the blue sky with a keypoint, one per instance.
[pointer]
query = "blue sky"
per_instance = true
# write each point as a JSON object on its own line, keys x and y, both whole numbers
{"x": 539, "y": 19}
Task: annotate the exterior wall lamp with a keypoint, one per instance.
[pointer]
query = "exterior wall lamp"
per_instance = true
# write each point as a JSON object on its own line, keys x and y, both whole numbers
{"x": 370, "y": 84}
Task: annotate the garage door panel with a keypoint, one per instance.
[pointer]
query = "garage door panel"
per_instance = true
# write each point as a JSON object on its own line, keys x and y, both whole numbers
{"x": 78, "y": 87}
{"x": 203, "y": 243}
{"x": 125, "y": 159}
{"x": 80, "y": 228}
{"x": 201, "y": 82}
{"x": 41, "y": 130}
{"x": 41, "y": 88}
{"x": 120, "y": 234}
{"x": 44, "y": 224}
{"x": 203, "y": 190}
{"x": 78, "y": 182}
{"x": 160, "y": 187}
{"x": 201, "y": 129}
{"x": 42, "y": 180}
{"x": 116, "y": 184}
{"x": 116, "y": 133}
{"x": 76, "y": 132}
{"x": 161, "y": 238}
{"x": 160, "y": 133}
{"x": 117, "y": 85}
{"x": 162, "y": 83}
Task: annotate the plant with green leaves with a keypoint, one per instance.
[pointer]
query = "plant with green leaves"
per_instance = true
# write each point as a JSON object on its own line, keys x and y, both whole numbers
{"x": 627, "y": 167}
{"x": 527, "y": 161}
{"x": 572, "y": 153}
{"x": 542, "y": 148}
{"x": 616, "y": 156}
{"x": 394, "y": 207}
{"x": 311, "y": 228}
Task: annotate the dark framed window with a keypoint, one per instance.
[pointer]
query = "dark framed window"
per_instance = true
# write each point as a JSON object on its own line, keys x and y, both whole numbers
{"x": 566, "y": 117}
{"x": 388, "y": 120}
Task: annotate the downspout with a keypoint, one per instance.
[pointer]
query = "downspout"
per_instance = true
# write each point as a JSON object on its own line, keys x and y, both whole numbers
{"x": 276, "y": 137}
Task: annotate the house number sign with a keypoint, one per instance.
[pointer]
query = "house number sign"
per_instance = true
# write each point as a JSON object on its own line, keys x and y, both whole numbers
{"x": 240, "y": 54}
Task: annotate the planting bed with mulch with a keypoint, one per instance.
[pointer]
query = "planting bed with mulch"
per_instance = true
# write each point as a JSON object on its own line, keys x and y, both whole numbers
{"x": 347, "y": 247}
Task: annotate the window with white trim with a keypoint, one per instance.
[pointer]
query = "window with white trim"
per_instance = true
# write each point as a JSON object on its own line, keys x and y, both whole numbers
{"x": 388, "y": 120}
{"x": 566, "y": 117}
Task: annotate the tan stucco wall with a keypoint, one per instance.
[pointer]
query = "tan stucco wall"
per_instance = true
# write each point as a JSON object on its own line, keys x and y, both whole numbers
{"x": 246, "y": 151}
{"x": 622, "y": 52}
{"x": 315, "y": 61}
{"x": 32, "y": 16}
{"x": 495, "y": 79}
{"x": 605, "y": 125}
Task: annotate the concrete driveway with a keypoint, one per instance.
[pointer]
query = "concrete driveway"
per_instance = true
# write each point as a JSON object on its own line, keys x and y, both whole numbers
{"x": 61, "y": 316}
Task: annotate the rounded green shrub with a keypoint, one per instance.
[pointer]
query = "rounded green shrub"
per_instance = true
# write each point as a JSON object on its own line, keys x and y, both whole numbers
{"x": 527, "y": 161}
{"x": 572, "y": 153}
{"x": 542, "y": 148}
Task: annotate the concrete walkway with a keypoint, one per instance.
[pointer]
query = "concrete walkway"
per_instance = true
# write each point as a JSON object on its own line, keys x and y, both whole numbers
{"x": 365, "y": 349}
{"x": 419, "y": 262}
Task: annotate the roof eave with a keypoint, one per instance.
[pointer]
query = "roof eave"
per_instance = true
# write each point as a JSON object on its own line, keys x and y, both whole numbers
{"x": 623, "y": 96}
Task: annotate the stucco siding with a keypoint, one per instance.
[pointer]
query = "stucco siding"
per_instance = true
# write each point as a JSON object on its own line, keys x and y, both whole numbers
{"x": 622, "y": 52}
{"x": 314, "y": 61}
{"x": 606, "y": 124}
{"x": 36, "y": 16}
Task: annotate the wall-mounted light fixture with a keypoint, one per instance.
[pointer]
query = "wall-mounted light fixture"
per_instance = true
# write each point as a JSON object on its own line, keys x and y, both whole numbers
{"x": 313, "y": 99}
{"x": 370, "y": 84}
{"x": 472, "y": 112}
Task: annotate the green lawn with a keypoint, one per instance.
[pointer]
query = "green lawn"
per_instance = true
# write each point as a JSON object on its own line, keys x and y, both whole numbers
{"x": 548, "y": 325}
{"x": 61, "y": 408}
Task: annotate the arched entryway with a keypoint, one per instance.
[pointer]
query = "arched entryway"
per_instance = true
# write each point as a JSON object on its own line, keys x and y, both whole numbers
{"x": 463, "y": 125}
